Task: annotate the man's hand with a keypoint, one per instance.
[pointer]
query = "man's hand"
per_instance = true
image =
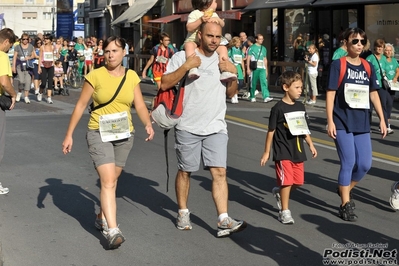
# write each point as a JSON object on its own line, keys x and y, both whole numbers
{"x": 226, "y": 66}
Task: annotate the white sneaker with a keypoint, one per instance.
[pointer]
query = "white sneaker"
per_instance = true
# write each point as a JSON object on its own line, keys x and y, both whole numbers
{"x": 32, "y": 86}
{"x": 39, "y": 97}
{"x": 27, "y": 100}
{"x": 3, "y": 190}
{"x": 234, "y": 99}
{"x": 245, "y": 95}
{"x": 253, "y": 100}
{"x": 227, "y": 77}
{"x": 285, "y": 217}
{"x": 310, "y": 102}
{"x": 37, "y": 92}
{"x": 394, "y": 199}
{"x": 193, "y": 73}
{"x": 49, "y": 100}
{"x": 256, "y": 92}
{"x": 268, "y": 99}
{"x": 389, "y": 130}
{"x": 19, "y": 94}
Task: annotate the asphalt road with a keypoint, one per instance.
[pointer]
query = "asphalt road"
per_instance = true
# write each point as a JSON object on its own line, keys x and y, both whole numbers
{"x": 48, "y": 216}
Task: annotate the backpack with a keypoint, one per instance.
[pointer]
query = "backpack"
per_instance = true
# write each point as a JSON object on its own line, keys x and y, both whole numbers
{"x": 343, "y": 68}
{"x": 168, "y": 107}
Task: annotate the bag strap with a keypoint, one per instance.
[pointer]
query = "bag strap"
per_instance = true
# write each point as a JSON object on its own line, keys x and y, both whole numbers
{"x": 113, "y": 97}
{"x": 260, "y": 50}
{"x": 343, "y": 68}
{"x": 166, "y": 131}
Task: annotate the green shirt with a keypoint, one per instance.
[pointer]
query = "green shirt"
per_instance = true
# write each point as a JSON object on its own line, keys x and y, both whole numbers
{"x": 235, "y": 54}
{"x": 340, "y": 52}
{"x": 376, "y": 64}
{"x": 390, "y": 68}
{"x": 257, "y": 52}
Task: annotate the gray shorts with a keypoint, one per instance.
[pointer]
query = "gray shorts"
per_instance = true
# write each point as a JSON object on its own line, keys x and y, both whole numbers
{"x": 189, "y": 149}
{"x": 108, "y": 152}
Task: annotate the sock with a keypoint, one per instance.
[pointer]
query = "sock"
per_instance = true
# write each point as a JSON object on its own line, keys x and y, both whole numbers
{"x": 183, "y": 211}
{"x": 222, "y": 216}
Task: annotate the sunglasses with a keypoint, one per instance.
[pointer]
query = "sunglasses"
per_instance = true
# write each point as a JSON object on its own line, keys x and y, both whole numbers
{"x": 24, "y": 39}
{"x": 355, "y": 41}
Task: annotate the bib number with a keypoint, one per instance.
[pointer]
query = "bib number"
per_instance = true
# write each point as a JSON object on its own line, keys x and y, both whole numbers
{"x": 357, "y": 96}
{"x": 296, "y": 122}
{"x": 114, "y": 126}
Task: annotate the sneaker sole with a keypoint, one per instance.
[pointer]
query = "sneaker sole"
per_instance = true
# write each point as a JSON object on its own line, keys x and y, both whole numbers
{"x": 229, "y": 231}
{"x": 184, "y": 228}
{"x": 116, "y": 241}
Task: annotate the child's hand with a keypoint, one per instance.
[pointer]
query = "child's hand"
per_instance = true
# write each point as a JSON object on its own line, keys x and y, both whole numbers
{"x": 205, "y": 18}
{"x": 313, "y": 151}
{"x": 213, "y": 20}
{"x": 264, "y": 159}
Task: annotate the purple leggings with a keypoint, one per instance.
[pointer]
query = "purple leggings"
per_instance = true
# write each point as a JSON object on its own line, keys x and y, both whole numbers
{"x": 355, "y": 154}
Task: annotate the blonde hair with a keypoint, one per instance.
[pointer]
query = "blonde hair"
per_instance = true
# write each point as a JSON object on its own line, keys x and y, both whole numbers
{"x": 234, "y": 41}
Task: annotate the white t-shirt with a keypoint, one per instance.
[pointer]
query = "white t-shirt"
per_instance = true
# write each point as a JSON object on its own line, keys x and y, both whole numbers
{"x": 204, "y": 102}
{"x": 313, "y": 69}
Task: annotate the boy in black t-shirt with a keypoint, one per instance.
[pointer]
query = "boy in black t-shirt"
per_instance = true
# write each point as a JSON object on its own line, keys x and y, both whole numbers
{"x": 287, "y": 130}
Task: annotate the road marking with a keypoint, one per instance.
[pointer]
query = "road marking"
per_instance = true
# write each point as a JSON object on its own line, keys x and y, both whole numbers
{"x": 377, "y": 156}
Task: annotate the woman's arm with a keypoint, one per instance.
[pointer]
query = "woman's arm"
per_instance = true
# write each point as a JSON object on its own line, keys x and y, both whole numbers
{"x": 77, "y": 113}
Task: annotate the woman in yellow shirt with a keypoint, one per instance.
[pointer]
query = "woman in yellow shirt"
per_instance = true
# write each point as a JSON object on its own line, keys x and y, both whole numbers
{"x": 110, "y": 129}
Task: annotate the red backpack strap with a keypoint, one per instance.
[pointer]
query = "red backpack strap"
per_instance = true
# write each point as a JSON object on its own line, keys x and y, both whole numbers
{"x": 342, "y": 70}
{"x": 366, "y": 65}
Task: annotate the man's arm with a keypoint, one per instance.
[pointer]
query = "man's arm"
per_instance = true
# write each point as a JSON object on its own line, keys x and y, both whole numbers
{"x": 171, "y": 79}
{"x": 5, "y": 83}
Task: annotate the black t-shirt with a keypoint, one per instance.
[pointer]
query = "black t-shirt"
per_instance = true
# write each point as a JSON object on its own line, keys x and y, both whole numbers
{"x": 72, "y": 55}
{"x": 285, "y": 145}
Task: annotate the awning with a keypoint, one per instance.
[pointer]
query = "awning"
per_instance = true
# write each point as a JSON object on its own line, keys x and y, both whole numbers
{"x": 351, "y": 2}
{"x": 262, "y": 4}
{"x": 165, "y": 19}
{"x": 135, "y": 11}
{"x": 227, "y": 14}
{"x": 96, "y": 13}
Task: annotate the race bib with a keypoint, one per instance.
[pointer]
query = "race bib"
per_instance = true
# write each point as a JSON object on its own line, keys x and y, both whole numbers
{"x": 357, "y": 96}
{"x": 114, "y": 126}
{"x": 161, "y": 59}
{"x": 394, "y": 85}
{"x": 237, "y": 58}
{"x": 296, "y": 122}
{"x": 261, "y": 64}
{"x": 48, "y": 56}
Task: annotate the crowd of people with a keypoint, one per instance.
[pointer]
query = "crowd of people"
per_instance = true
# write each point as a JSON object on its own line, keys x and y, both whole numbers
{"x": 201, "y": 134}
{"x": 43, "y": 63}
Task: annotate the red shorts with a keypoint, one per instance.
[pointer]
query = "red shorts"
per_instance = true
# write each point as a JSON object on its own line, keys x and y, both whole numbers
{"x": 88, "y": 62}
{"x": 289, "y": 173}
{"x": 157, "y": 75}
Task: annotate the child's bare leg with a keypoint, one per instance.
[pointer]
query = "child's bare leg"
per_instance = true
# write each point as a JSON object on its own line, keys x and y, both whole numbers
{"x": 189, "y": 48}
{"x": 285, "y": 197}
{"x": 223, "y": 55}
{"x": 62, "y": 81}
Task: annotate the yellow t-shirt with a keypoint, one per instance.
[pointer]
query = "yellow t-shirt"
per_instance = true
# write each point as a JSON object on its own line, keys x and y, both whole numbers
{"x": 5, "y": 67}
{"x": 105, "y": 87}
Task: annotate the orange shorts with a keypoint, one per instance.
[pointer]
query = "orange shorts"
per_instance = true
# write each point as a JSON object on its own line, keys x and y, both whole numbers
{"x": 289, "y": 173}
{"x": 157, "y": 75}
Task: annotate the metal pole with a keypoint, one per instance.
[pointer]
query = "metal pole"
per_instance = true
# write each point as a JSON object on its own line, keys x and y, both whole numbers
{"x": 53, "y": 13}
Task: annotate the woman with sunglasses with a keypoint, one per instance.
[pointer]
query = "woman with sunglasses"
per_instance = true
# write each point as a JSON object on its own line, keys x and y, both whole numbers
{"x": 23, "y": 53}
{"x": 110, "y": 130}
{"x": 46, "y": 68}
{"x": 379, "y": 62}
{"x": 348, "y": 119}
{"x": 98, "y": 54}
